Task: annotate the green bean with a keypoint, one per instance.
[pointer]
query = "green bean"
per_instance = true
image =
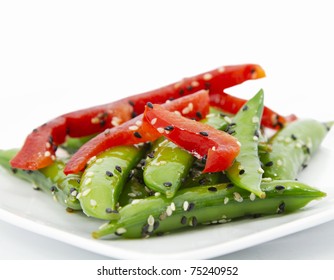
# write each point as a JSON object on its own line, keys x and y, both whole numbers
{"x": 246, "y": 172}
{"x": 201, "y": 205}
{"x": 103, "y": 180}
{"x": 292, "y": 148}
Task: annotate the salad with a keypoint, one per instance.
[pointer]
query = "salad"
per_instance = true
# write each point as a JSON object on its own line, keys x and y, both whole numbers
{"x": 182, "y": 156}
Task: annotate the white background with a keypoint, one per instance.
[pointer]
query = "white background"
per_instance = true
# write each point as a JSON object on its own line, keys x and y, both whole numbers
{"x": 58, "y": 56}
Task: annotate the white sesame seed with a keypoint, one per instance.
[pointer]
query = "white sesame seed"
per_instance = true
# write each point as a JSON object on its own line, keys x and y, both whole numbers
{"x": 239, "y": 144}
{"x": 93, "y": 202}
{"x": 79, "y": 195}
{"x": 157, "y": 194}
{"x": 107, "y": 131}
{"x": 99, "y": 160}
{"x": 279, "y": 162}
{"x": 150, "y": 220}
{"x": 194, "y": 84}
{"x": 213, "y": 148}
{"x": 240, "y": 167}
{"x": 255, "y": 119}
{"x": 132, "y": 194}
{"x": 150, "y": 228}
{"x": 95, "y": 120}
{"x": 133, "y": 127}
{"x": 47, "y": 145}
{"x": 91, "y": 160}
{"x": 298, "y": 145}
{"x": 74, "y": 193}
{"x": 135, "y": 201}
{"x": 153, "y": 121}
{"x": 185, "y": 205}
{"x": 115, "y": 121}
{"x": 139, "y": 123}
{"x": 169, "y": 211}
{"x": 53, "y": 157}
{"x": 161, "y": 130}
{"x": 252, "y": 196}
{"x": 260, "y": 170}
{"x": 228, "y": 119}
{"x": 191, "y": 106}
{"x": 85, "y": 192}
{"x": 207, "y": 77}
{"x": 221, "y": 69}
{"x": 267, "y": 179}
{"x": 90, "y": 174}
{"x": 47, "y": 154}
{"x": 237, "y": 197}
{"x": 172, "y": 206}
{"x": 255, "y": 138}
{"x": 226, "y": 200}
{"x": 185, "y": 111}
{"x": 121, "y": 230}
{"x": 177, "y": 113}
{"x": 88, "y": 181}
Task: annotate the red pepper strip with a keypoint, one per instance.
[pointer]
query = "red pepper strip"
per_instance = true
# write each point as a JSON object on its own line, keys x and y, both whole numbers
{"x": 136, "y": 131}
{"x": 36, "y": 154}
{"x": 218, "y": 148}
{"x": 232, "y": 104}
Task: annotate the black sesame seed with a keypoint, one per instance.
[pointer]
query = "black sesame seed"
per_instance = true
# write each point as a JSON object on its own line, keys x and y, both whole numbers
{"x": 256, "y": 133}
{"x": 108, "y": 210}
{"x": 191, "y": 206}
{"x": 230, "y": 131}
{"x": 131, "y": 103}
{"x": 253, "y": 71}
{"x": 54, "y": 147}
{"x": 242, "y": 171}
{"x": 50, "y": 139}
{"x": 133, "y": 114}
{"x": 199, "y": 115}
{"x": 230, "y": 185}
{"x": 102, "y": 123}
{"x": 293, "y": 137}
{"x": 212, "y": 189}
{"x": 204, "y": 158}
{"x": 269, "y": 163}
{"x": 167, "y": 184}
{"x": 203, "y": 133}
{"x": 207, "y": 85}
{"x": 194, "y": 221}
{"x": 279, "y": 187}
{"x": 137, "y": 134}
{"x": 72, "y": 190}
{"x": 169, "y": 127}
{"x": 150, "y": 105}
{"x": 184, "y": 220}
{"x": 14, "y": 170}
{"x": 281, "y": 208}
{"x": 156, "y": 225}
{"x": 181, "y": 91}
{"x": 245, "y": 108}
{"x": 53, "y": 189}
{"x": 78, "y": 181}
{"x": 150, "y": 155}
{"x": 202, "y": 181}
{"x": 190, "y": 88}
{"x": 109, "y": 173}
{"x": 35, "y": 130}
{"x": 222, "y": 115}
{"x": 118, "y": 168}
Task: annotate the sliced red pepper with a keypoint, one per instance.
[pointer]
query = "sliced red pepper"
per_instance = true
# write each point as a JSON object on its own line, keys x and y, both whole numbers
{"x": 232, "y": 104}
{"x": 218, "y": 148}
{"x": 134, "y": 131}
{"x": 36, "y": 153}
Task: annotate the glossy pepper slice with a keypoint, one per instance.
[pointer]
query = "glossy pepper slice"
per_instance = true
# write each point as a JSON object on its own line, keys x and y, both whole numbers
{"x": 136, "y": 131}
{"x": 232, "y": 105}
{"x": 195, "y": 206}
{"x": 218, "y": 148}
{"x": 39, "y": 148}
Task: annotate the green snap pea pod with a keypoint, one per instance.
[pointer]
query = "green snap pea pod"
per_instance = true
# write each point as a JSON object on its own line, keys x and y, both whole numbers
{"x": 103, "y": 180}
{"x": 73, "y": 144}
{"x": 134, "y": 188}
{"x": 246, "y": 172}
{"x": 202, "y": 205}
{"x": 50, "y": 179}
{"x": 167, "y": 165}
{"x": 292, "y": 147}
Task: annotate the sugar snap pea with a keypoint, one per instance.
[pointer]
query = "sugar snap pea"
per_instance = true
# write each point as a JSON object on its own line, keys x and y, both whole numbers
{"x": 50, "y": 179}
{"x": 292, "y": 148}
{"x": 104, "y": 178}
{"x": 203, "y": 204}
{"x": 167, "y": 166}
{"x": 246, "y": 171}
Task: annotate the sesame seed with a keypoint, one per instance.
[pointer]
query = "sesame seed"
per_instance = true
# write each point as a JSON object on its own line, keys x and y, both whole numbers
{"x": 260, "y": 170}
{"x": 229, "y": 185}
{"x": 150, "y": 105}
{"x": 255, "y": 119}
{"x": 269, "y": 163}
{"x": 47, "y": 154}
{"x": 177, "y": 113}
{"x": 150, "y": 155}
{"x": 89, "y": 174}
{"x": 133, "y": 127}
{"x": 266, "y": 179}
{"x": 228, "y": 119}
{"x": 93, "y": 202}
{"x": 107, "y": 131}
{"x": 238, "y": 143}
{"x": 255, "y": 138}
{"x": 203, "y": 133}
{"x": 199, "y": 115}
{"x": 169, "y": 127}
{"x": 139, "y": 123}
{"x": 207, "y": 77}
{"x": 185, "y": 111}
{"x": 118, "y": 168}
{"x": 88, "y": 181}
{"x": 53, "y": 189}
{"x": 137, "y": 134}
{"x": 252, "y": 196}
{"x": 279, "y": 187}
{"x": 115, "y": 121}
{"x": 153, "y": 121}
{"x": 167, "y": 184}
{"x": 226, "y": 200}
{"x": 293, "y": 137}
{"x": 109, "y": 173}
{"x": 184, "y": 220}
{"x": 172, "y": 206}
{"x": 99, "y": 160}
{"x": 194, "y": 84}
{"x": 245, "y": 108}
{"x": 47, "y": 145}
{"x": 193, "y": 221}
{"x": 212, "y": 189}
{"x": 86, "y": 192}
{"x": 169, "y": 211}
{"x": 237, "y": 197}
{"x": 279, "y": 162}
{"x": 185, "y": 205}
{"x": 157, "y": 194}
{"x": 120, "y": 231}
{"x": 242, "y": 171}
{"x": 281, "y": 208}
{"x": 221, "y": 69}
{"x": 191, "y": 206}
{"x": 150, "y": 220}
